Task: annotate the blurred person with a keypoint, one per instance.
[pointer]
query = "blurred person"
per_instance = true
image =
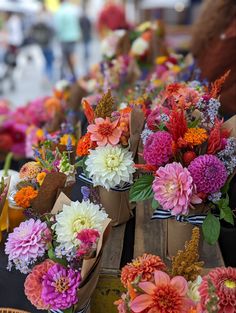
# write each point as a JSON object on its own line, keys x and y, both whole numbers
{"x": 86, "y": 29}
{"x": 214, "y": 47}
{"x": 14, "y": 40}
{"x": 68, "y": 32}
{"x": 43, "y": 34}
{"x": 111, "y": 17}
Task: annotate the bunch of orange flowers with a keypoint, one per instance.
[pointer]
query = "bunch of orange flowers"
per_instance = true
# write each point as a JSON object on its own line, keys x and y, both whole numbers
{"x": 24, "y": 196}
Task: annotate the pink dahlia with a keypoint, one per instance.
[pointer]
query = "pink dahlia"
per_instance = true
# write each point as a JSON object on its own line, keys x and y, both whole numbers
{"x": 164, "y": 295}
{"x": 28, "y": 242}
{"x": 105, "y": 132}
{"x": 208, "y": 172}
{"x": 174, "y": 189}
{"x": 33, "y": 285}
{"x": 224, "y": 282}
{"x": 158, "y": 148}
{"x": 88, "y": 239}
{"x": 59, "y": 287}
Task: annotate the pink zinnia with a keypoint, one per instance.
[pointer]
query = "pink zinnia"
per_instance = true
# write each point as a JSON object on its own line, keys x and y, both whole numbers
{"x": 224, "y": 282}
{"x": 60, "y": 286}
{"x": 173, "y": 188}
{"x": 158, "y": 148}
{"x": 33, "y": 285}
{"x": 105, "y": 132}
{"x": 28, "y": 242}
{"x": 165, "y": 295}
{"x": 88, "y": 239}
{"x": 208, "y": 172}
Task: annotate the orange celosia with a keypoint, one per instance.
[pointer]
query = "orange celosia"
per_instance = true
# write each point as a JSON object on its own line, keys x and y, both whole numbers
{"x": 24, "y": 196}
{"x": 52, "y": 105}
{"x": 143, "y": 266}
{"x": 216, "y": 136}
{"x": 216, "y": 86}
{"x": 84, "y": 144}
{"x": 195, "y": 136}
{"x": 88, "y": 111}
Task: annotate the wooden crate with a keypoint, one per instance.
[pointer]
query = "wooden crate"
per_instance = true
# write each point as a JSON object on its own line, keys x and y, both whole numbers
{"x": 150, "y": 236}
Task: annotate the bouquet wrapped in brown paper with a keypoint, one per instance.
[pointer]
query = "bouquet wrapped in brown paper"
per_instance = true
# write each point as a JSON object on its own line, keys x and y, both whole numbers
{"x": 108, "y": 151}
{"x": 4, "y": 187}
{"x": 190, "y": 159}
{"x": 63, "y": 262}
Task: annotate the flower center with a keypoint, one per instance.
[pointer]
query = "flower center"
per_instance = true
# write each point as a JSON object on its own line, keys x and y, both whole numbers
{"x": 112, "y": 162}
{"x": 62, "y": 284}
{"x": 230, "y": 284}
{"x": 166, "y": 299}
{"x": 81, "y": 223}
{"x": 105, "y": 129}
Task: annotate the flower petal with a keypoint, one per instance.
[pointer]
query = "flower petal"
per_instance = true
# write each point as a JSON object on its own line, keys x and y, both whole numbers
{"x": 141, "y": 303}
{"x": 148, "y": 287}
{"x": 180, "y": 284}
{"x": 161, "y": 278}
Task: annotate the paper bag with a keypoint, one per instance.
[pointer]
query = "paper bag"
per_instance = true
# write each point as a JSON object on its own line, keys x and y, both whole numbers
{"x": 231, "y": 126}
{"x": 116, "y": 204}
{"x": 177, "y": 233}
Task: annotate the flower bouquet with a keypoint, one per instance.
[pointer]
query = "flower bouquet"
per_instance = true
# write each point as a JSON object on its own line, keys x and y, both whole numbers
{"x": 190, "y": 158}
{"x": 152, "y": 287}
{"x": 107, "y": 154}
{"x": 61, "y": 253}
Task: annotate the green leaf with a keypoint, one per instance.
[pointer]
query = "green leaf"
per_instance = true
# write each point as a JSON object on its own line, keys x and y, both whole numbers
{"x": 194, "y": 123}
{"x": 211, "y": 229}
{"x": 141, "y": 189}
{"x": 155, "y": 204}
{"x": 227, "y": 215}
{"x": 225, "y": 188}
{"x": 52, "y": 257}
{"x": 70, "y": 310}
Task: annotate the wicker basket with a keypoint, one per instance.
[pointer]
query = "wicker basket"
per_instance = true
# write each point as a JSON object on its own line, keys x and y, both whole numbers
{"x": 8, "y": 310}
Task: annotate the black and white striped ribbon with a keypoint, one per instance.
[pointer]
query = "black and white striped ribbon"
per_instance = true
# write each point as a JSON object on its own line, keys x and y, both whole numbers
{"x": 197, "y": 219}
{"x": 84, "y": 310}
{"x": 125, "y": 187}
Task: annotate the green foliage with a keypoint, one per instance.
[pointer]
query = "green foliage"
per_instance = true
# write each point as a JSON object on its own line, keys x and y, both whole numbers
{"x": 142, "y": 189}
{"x": 211, "y": 229}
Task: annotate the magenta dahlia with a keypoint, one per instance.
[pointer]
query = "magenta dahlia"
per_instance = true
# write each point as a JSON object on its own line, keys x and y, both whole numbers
{"x": 158, "y": 148}
{"x": 224, "y": 283}
{"x": 59, "y": 287}
{"x": 208, "y": 172}
{"x": 28, "y": 242}
{"x": 173, "y": 188}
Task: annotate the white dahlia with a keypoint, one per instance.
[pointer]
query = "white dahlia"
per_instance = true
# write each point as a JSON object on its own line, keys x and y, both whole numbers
{"x": 74, "y": 218}
{"x": 110, "y": 166}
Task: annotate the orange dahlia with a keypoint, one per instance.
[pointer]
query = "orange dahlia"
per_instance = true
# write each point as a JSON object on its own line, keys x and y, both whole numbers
{"x": 33, "y": 284}
{"x": 143, "y": 266}
{"x": 195, "y": 136}
{"x": 84, "y": 144}
{"x": 24, "y": 196}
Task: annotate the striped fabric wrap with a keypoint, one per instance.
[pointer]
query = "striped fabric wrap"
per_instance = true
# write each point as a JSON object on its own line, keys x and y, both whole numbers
{"x": 196, "y": 219}
{"x": 125, "y": 187}
{"x": 84, "y": 310}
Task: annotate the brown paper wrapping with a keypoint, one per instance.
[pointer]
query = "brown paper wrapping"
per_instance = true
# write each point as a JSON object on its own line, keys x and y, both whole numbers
{"x": 48, "y": 192}
{"x": 2, "y": 202}
{"x": 117, "y": 203}
{"x": 91, "y": 267}
{"x": 123, "y": 46}
{"x": 231, "y": 126}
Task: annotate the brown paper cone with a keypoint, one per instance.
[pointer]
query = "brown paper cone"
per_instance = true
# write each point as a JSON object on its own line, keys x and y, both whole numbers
{"x": 123, "y": 46}
{"x": 231, "y": 126}
{"x": 177, "y": 234}
{"x": 136, "y": 127}
{"x": 47, "y": 194}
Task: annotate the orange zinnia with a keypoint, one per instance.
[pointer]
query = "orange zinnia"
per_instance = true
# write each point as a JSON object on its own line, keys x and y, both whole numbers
{"x": 143, "y": 266}
{"x": 24, "y": 196}
{"x": 84, "y": 144}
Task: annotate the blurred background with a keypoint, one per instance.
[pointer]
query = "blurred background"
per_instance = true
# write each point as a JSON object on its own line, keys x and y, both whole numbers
{"x": 37, "y": 38}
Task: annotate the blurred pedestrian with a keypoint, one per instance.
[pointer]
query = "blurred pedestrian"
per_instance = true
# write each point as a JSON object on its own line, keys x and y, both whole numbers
{"x": 214, "y": 46}
{"x": 86, "y": 29}
{"x": 14, "y": 40}
{"x": 68, "y": 32}
{"x": 43, "y": 34}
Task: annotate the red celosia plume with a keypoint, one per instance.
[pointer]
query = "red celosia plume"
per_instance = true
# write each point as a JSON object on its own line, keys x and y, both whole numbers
{"x": 88, "y": 111}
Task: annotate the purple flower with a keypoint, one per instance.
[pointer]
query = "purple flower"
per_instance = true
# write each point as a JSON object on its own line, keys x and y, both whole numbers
{"x": 28, "y": 242}
{"x": 208, "y": 172}
{"x": 85, "y": 192}
{"x": 59, "y": 287}
{"x": 158, "y": 148}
